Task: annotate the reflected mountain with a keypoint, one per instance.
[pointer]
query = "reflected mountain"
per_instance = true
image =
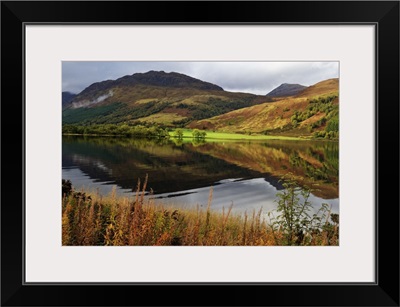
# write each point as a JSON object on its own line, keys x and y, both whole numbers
{"x": 179, "y": 167}
{"x": 313, "y": 163}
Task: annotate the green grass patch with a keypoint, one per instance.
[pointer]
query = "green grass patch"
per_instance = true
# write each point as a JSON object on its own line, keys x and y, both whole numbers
{"x": 216, "y": 135}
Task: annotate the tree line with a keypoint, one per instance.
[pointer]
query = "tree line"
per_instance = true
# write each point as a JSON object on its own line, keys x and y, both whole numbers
{"x": 153, "y": 131}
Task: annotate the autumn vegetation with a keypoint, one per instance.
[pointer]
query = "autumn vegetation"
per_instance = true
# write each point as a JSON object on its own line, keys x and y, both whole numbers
{"x": 314, "y": 113}
{"x": 93, "y": 219}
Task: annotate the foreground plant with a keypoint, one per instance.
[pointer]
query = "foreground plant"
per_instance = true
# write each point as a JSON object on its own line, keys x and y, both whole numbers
{"x": 295, "y": 222}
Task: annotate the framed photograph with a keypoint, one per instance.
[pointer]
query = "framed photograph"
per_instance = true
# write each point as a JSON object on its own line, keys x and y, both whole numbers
{"x": 166, "y": 153}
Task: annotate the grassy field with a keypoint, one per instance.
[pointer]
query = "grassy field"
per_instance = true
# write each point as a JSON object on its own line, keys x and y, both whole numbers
{"x": 211, "y": 135}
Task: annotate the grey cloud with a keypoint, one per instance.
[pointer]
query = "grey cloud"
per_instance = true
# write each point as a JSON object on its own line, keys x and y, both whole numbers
{"x": 252, "y": 77}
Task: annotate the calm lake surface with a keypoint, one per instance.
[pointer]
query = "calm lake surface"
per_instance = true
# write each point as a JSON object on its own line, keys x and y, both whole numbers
{"x": 243, "y": 173}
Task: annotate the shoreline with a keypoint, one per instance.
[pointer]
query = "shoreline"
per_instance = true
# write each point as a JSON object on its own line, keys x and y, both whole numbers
{"x": 232, "y": 137}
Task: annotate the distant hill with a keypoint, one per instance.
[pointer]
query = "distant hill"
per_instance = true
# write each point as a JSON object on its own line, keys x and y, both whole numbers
{"x": 304, "y": 114}
{"x": 324, "y": 87}
{"x": 286, "y": 89}
{"x": 67, "y": 97}
{"x": 155, "y": 97}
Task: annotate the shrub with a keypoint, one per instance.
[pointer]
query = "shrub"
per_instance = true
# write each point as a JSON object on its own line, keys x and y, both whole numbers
{"x": 66, "y": 187}
{"x": 295, "y": 220}
{"x": 197, "y": 134}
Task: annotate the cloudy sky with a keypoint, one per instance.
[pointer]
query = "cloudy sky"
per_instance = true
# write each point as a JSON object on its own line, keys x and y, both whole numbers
{"x": 250, "y": 77}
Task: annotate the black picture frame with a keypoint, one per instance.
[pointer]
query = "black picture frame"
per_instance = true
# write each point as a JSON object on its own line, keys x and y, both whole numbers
{"x": 383, "y": 14}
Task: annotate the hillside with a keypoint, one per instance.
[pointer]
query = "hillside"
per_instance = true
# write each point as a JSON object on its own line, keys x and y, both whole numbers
{"x": 100, "y": 91}
{"x": 170, "y": 99}
{"x": 326, "y": 87}
{"x": 176, "y": 100}
{"x": 286, "y": 89}
{"x": 307, "y": 113}
{"x": 66, "y": 98}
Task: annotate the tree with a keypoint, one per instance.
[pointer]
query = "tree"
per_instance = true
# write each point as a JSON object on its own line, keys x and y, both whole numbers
{"x": 333, "y": 125}
{"x": 197, "y": 134}
{"x": 178, "y": 134}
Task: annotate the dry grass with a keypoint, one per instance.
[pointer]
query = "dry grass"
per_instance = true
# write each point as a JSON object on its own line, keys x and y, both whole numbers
{"x": 272, "y": 116}
{"x": 327, "y": 87}
{"x": 266, "y": 116}
{"x": 118, "y": 221}
{"x": 162, "y": 118}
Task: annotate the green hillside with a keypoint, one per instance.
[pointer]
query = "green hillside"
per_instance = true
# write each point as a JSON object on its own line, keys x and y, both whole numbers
{"x": 316, "y": 113}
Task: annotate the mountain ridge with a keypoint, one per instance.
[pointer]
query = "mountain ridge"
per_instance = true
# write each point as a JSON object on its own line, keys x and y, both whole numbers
{"x": 150, "y": 78}
{"x": 66, "y": 98}
{"x": 286, "y": 89}
{"x": 155, "y": 96}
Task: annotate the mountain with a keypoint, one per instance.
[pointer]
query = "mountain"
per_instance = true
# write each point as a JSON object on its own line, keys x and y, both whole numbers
{"x": 286, "y": 89}
{"x": 156, "y": 96}
{"x": 308, "y": 112}
{"x": 176, "y": 100}
{"x": 151, "y": 78}
{"x": 329, "y": 86}
{"x": 67, "y": 97}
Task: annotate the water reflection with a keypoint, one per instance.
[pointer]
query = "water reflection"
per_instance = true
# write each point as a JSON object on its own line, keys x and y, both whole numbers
{"x": 244, "y": 195}
{"x": 243, "y": 173}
